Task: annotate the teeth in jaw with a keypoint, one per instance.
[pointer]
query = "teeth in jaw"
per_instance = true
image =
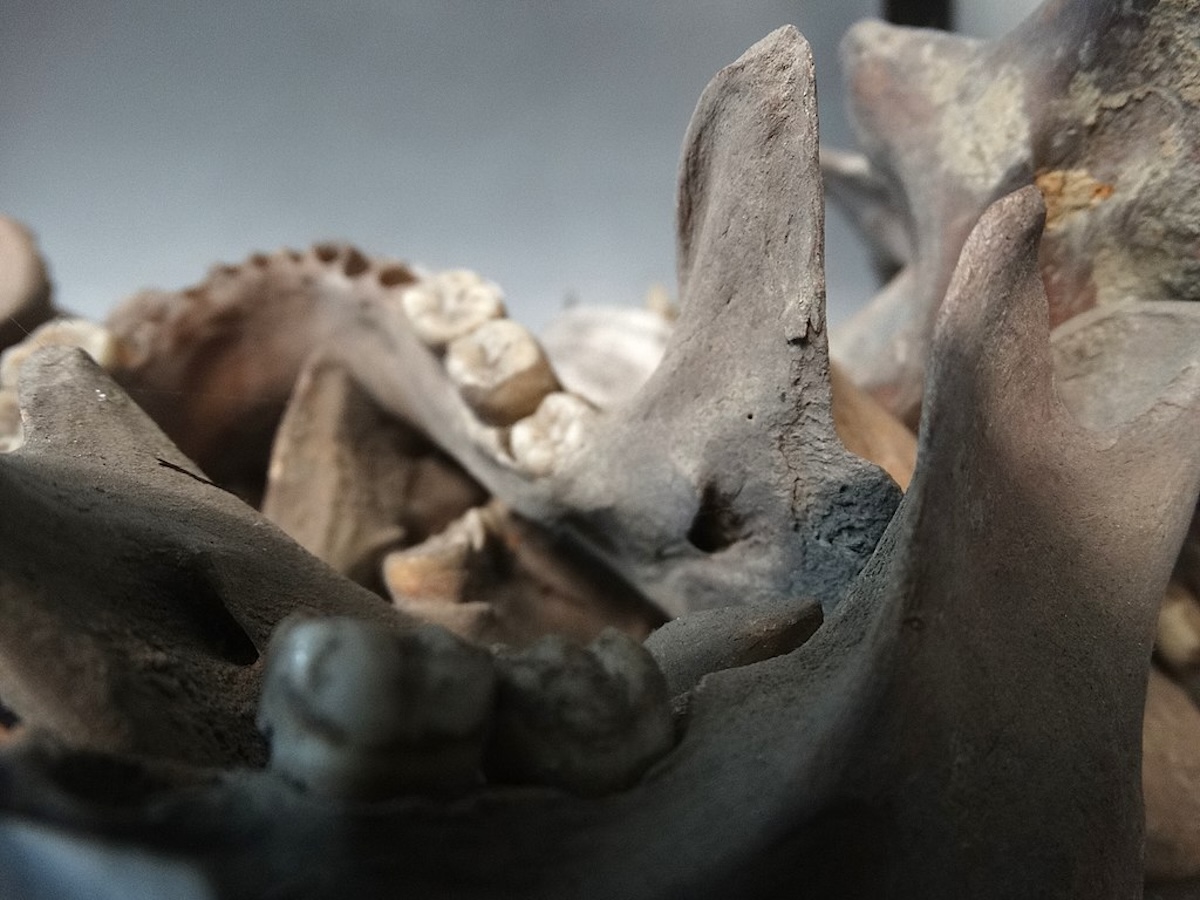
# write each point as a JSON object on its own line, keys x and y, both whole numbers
{"x": 355, "y": 711}
{"x": 501, "y": 371}
{"x": 449, "y": 305}
{"x": 96, "y": 340}
{"x": 558, "y": 429}
{"x": 589, "y": 721}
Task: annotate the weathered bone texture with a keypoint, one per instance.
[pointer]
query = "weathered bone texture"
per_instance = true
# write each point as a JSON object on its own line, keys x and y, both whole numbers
{"x": 755, "y": 497}
{"x": 25, "y": 293}
{"x": 968, "y": 720}
{"x": 136, "y": 595}
{"x": 350, "y": 483}
{"x": 1096, "y": 100}
{"x": 495, "y": 578}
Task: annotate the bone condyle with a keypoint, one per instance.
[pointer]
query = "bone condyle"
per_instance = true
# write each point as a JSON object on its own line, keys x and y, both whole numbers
{"x": 403, "y": 599}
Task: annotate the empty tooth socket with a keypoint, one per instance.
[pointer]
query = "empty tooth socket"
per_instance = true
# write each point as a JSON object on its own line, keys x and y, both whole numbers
{"x": 589, "y": 721}
{"x": 501, "y": 371}
{"x": 449, "y": 305}
{"x": 557, "y": 430}
{"x": 95, "y": 340}
{"x": 356, "y": 711}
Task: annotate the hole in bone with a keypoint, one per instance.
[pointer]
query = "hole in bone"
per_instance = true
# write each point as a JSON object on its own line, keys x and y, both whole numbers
{"x": 326, "y": 253}
{"x": 715, "y": 526}
{"x": 8, "y": 718}
{"x": 355, "y": 263}
{"x": 393, "y": 276}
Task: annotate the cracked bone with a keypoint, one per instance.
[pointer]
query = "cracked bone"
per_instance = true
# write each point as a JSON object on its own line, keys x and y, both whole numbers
{"x": 500, "y": 370}
{"x": 450, "y": 305}
{"x": 349, "y": 483}
{"x": 495, "y": 578}
{"x": 25, "y": 294}
{"x": 589, "y": 721}
{"x": 356, "y": 711}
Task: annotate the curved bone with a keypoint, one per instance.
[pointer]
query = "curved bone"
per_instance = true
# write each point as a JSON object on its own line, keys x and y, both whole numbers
{"x": 25, "y": 301}
{"x": 136, "y": 595}
{"x": 1096, "y": 100}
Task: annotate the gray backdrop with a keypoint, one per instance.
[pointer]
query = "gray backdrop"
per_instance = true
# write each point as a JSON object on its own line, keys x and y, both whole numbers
{"x": 533, "y": 140}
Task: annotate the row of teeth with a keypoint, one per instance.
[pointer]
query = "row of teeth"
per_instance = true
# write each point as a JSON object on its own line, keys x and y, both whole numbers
{"x": 354, "y": 711}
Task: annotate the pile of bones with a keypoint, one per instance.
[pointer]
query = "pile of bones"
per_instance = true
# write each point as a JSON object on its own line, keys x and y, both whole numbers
{"x": 324, "y": 578}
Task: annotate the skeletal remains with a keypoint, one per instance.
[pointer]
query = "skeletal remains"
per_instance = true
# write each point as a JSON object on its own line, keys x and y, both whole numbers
{"x": 661, "y": 622}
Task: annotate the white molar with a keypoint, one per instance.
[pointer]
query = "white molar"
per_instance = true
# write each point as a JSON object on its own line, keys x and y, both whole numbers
{"x": 12, "y": 432}
{"x": 449, "y": 305}
{"x": 353, "y": 710}
{"x": 588, "y": 720}
{"x": 501, "y": 371}
{"x": 95, "y": 340}
{"x": 558, "y": 429}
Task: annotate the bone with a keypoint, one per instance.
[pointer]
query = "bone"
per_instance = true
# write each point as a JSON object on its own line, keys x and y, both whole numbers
{"x": 95, "y": 340}
{"x": 500, "y": 370}
{"x": 1171, "y": 782}
{"x": 354, "y": 711}
{"x": 494, "y": 578}
{"x": 450, "y": 305}
{"x": 139, "y": 630}
{"x": 25, "y": 293}
{"x": 586, "y": 721}
{"x": 868, "y": 430}
{"x": 349, "y": 482}
{"x": 546, "y": 441}
{"x": 1090, "y": 99}
{"x": 1178, "y": 639}
{"x": 12, "y": 432}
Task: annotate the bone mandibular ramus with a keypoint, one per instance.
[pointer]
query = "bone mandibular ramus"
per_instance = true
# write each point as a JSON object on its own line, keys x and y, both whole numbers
{"x": 688, "y": 637}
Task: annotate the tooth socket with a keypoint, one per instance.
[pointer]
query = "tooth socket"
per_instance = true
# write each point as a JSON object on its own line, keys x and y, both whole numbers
{"x": 355, "y": 711}
{"x": 450, "y": 305}
{"x": 589, "y": 721}
{"x": 557, "y": 429}
{"x": 501, "y": 371}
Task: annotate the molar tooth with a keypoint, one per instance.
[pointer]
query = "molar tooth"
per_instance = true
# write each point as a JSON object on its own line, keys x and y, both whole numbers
{"x": 452, "y": 304}
{"x": 556, "y": 430}
{"x": 585, "y": 720}
{"x": 97, "y": 341}
{"x": 501, "y": 371}
{"x": 354, "y": 710}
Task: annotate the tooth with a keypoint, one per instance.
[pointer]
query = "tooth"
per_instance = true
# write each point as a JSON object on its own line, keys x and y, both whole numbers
{"x": 96, "y": 340}
{"x": 558, "y": 429}
{"x": 501, "y": 371}
{"x": 588, "y": 721}
{"x": 451, "y": 304}
{"x": 12, "y": 432}
{"x": 356, "y": 711}
{"x": 437, "y": 568}
{"x": 1178, "y": 642}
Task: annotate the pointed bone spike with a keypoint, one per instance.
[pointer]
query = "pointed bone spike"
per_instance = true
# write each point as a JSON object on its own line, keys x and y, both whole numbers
{"x": 356, "y": 711}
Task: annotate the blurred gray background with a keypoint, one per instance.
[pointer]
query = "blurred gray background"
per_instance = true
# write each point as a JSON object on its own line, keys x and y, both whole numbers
{"x": 535, "y": 141}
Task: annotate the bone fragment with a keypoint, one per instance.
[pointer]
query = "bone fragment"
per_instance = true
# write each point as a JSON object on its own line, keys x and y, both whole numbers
{"x": 501, "y": 371}
{"x": 588, "y": 721}
{"x": 1171, "y": 781}
{"x": 355, "y": 711}
{"x": 449, "y": 305}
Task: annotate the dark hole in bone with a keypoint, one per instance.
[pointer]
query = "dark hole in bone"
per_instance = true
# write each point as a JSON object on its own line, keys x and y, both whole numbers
{"x": 8, "y": 718}
{"x": 189, "y": 594}
{"x": 715, "y": 525}
{"x": 326, "y": 253}
{"x": 355, "y": 263}
{"x": 113, "y": 781}
{"x": 396, "y": 275}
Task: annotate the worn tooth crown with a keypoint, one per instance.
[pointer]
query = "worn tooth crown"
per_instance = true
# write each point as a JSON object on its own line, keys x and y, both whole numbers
{"x": 585, "y": 720}
{"x": 354, "y": 710}
{"x": 558, "y": 429}
{"x": 96, "y": 340}
{"x": 451, "y": 304}
{"x": 501, "y": 371}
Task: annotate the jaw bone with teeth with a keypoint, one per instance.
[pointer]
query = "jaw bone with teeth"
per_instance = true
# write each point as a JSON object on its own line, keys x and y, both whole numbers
{"x": 966, "y": 722}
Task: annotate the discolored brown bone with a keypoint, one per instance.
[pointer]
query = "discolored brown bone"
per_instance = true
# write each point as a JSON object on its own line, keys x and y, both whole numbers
{"x": 136, "y": 595}
{"x": 1096, "y": 101}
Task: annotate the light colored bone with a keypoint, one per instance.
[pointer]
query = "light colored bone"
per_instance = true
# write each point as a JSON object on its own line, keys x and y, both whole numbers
{"x": 588, "y": 721}
{"x": 97, "y": 341}
{"x": 501, "y": 371}
{"x": 25, "y": 294}
{"x": 449, "y": 305}
{"x": 12, "y": 432}
{"x": 356, "y": 711}
{"x": 1178, "y": 641}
